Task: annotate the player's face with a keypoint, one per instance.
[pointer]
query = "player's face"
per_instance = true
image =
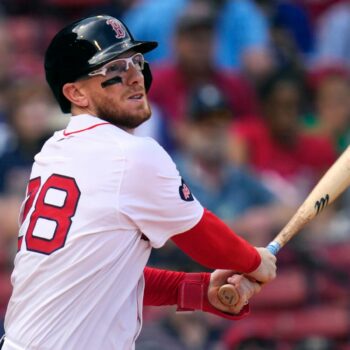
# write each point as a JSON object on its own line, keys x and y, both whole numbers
{"x": 122, "y": 103}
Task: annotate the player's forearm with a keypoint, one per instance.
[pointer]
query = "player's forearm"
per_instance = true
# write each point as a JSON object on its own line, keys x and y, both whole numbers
{"x": 213, "y": 244}
{"x": 189, "y": 291}
{"x": 161, "y": 286}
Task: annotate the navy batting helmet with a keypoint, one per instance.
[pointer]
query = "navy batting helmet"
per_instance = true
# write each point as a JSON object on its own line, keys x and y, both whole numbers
{"x": 86, "y": 45}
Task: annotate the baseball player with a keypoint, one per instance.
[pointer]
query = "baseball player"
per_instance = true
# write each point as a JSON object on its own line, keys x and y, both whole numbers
{"x": 99, "y": 199}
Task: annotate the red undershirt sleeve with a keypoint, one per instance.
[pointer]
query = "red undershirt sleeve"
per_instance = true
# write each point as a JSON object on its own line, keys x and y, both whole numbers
{"x": 161, "y": 286}
{"x": 214, "y": 245}
{"x": 189, "y": 291}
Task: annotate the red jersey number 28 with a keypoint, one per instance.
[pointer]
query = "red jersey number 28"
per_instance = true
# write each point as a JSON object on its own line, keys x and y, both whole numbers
{"x": 55, "y": 204}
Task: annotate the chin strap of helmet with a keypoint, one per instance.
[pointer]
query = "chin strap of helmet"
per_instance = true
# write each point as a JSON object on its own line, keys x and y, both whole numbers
{"x": 115, "y": 80}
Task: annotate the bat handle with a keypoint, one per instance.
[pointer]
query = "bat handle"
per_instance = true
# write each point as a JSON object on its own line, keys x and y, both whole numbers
{"x": 228, "y": 294}
{"x": 274, "y": 247}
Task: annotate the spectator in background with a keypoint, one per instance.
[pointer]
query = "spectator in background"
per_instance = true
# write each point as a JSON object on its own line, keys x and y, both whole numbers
{"x": 330, "y": 116}
{"x": 287, "y": 159}
{"x": 242, "y": 35}
{"x": 333, "y": 35}
{"x": 292, "y": 33}
{"x": 29, "y": 120}
{"x": 194, "y": 65}
{"x": 243, "y": 38}
{"x": 330, "y": 119}
{"x": 5, "y": 75}
{"x": 229, "y": 191}
{"x": 317, "y": 8}
{"x": 25, "y": 35}
{"x": 5, "y": 53}
{"x": 155, "y": 19}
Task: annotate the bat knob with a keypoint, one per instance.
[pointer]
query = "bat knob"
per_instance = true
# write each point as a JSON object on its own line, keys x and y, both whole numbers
{"x": 228, "y": 295}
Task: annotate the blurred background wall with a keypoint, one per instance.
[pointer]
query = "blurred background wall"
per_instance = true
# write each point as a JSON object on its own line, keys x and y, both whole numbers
{"x": 252, "y": 100}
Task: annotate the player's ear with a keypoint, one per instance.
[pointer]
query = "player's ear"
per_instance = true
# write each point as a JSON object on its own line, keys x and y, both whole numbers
{"x": 75, "y": 94}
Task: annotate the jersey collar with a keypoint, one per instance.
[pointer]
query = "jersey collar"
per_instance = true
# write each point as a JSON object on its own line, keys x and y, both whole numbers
{"x": 82, "y": 122}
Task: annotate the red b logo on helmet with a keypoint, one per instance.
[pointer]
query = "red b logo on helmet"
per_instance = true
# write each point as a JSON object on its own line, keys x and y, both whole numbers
{"x": 117, "y": 27}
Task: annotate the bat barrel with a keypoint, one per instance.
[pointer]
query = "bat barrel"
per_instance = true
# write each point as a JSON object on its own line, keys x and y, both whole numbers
{"x": 332, "y": 184}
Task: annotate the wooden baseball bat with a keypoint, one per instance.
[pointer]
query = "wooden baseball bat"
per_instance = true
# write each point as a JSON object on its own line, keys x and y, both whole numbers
{"x": 334, "y": 182}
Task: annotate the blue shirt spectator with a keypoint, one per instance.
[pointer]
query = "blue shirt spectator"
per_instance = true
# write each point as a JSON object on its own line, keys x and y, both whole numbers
{"x": 155, "y": 19}
{"x": 297, "y": 21}
{"x": 333, "y": 36}
{"x": 241, "y": 26}
{"x": 238, "y": 190}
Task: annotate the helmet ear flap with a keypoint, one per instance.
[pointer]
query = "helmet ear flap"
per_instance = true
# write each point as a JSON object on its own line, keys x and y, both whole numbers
{"x": 147, "y": 74}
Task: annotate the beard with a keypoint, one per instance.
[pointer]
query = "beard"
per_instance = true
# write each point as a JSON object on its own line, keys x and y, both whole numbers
{"x": 120, "y": 117}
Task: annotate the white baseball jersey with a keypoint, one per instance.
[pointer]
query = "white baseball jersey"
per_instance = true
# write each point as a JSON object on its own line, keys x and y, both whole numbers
{"x": 95, "y": 192}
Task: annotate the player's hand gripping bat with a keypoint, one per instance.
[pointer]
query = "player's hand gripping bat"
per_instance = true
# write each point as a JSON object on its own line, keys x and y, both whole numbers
{"x": 335, "y": 181}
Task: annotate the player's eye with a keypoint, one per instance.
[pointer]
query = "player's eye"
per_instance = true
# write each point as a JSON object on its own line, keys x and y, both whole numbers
{"x": 116, "y": 67}
{"x": 138, "y": 61}
{"x": 120, "y": 66}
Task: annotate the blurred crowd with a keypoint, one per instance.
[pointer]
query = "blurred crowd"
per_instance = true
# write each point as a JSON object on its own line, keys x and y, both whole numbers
{"x": 252, "y": 100}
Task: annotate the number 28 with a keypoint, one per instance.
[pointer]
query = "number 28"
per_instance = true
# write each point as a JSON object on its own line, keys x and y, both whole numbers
{"x": 59, "y": 215}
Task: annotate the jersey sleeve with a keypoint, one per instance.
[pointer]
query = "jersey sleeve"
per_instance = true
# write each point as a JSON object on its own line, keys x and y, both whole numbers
{"x": 154, "y": 196}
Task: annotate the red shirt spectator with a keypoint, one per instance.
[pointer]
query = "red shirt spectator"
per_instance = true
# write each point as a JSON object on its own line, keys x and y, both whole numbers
{"x": 311, "y": 153}
{"x": 194, "y": 65}
{"x": 171, "y": 87}
{"x": 285, "y": 156}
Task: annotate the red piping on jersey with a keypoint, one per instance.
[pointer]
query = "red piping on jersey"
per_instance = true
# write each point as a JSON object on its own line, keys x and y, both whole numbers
{"x": 75, "y": 132}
